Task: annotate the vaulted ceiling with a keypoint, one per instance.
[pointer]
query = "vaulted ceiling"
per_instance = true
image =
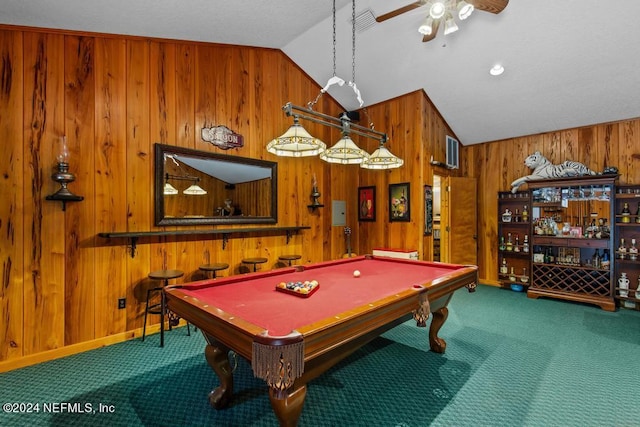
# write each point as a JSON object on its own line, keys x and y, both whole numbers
{"x": 568, "y": 63}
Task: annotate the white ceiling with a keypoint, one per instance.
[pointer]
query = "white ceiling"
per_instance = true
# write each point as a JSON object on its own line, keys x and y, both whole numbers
{"x": 568, "y": 63}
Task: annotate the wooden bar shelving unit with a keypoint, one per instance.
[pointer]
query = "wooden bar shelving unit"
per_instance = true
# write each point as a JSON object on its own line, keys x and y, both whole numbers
{"x": 585, "y": 199}
{"x": 627, "y": 298}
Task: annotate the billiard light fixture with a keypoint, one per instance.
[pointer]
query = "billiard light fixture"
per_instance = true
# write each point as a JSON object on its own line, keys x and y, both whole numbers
{"x": 297, "y": 142}
{"x": 193, "y": 190}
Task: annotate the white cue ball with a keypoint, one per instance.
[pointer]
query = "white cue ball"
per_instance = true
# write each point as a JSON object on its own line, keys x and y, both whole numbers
{"x": 356, "y": 273}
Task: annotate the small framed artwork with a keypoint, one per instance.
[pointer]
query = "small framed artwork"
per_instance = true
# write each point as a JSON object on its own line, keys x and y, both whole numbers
{"x": 399, "y": 205}
{"x": 428, "y": 210}
{"x": 366, "y": 203}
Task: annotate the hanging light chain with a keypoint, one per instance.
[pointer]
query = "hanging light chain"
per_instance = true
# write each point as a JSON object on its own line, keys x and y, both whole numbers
{"x": 334, "y": 37}
{"x": 353, "y": 41}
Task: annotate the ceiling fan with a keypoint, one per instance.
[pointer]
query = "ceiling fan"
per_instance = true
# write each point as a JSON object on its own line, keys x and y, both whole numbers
{"x": 445, "y": 10}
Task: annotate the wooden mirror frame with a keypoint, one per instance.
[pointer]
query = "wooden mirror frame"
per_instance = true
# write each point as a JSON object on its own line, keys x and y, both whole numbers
{"x": 159, "y": 209}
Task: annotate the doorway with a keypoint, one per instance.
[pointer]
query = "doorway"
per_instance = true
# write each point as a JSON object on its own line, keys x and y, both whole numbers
{"x": 436, "y": 216}
{"x": 457, "y": 220}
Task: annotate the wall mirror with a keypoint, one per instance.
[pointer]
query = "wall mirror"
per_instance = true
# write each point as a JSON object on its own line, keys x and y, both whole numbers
{"x": 195, "y": 187}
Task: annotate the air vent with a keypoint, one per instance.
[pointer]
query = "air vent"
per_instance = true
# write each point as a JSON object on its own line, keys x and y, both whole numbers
{"x": 364, "y": 20}
{"x": 452, "y": 153}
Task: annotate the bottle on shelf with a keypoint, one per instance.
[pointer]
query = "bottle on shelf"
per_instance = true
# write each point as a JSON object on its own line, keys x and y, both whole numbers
{"x": 605, "y": 262}
{"x": 525, "y": 244}
{"x": 548, "y": 256}
{"x": 596, "y": 260}
{"x": 622, "y": 250}
{"x": 525, "y": 213}
{"x": 623, "y": 285}
{"x": 502, "y": 246}
{"x": 516, "y": 247}
{"x": 509, "y": 242}
{"x": 633, "y": 251}
{"x": 626, "y": 214}
{"x": 503, "y": 268}
{"x": 638, "y": 214}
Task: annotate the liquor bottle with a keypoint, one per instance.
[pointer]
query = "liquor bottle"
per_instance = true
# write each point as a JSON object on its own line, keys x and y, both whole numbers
{"x": 525, "y": 244}
{"x": 516, "y": 217}
{"x": 633, "y": 251}
{"x": 502, "y": 245}
{"x": 516, "y": 247}
{"x": 547, "y": 255}
{"x": 626, "y": 213}
{"x": 638, "y": 214}
{"x": 503, "y": 268}
{"x": 596, "y": 260}
{"x": 605, "y": 263}
{"x": 509, "y": 242}
{"x": 525, "y": 213}
{"x": 622, "y": 250}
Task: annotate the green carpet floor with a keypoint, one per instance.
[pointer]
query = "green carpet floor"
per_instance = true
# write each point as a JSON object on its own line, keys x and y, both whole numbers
{"x": 510, "y": 361}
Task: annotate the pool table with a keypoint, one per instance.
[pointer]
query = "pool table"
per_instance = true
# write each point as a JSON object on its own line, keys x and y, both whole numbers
{"x": 289, "y": 339}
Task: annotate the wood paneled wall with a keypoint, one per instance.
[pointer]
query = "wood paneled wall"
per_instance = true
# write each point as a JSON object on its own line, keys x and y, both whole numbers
{"x": 416, "y": 132}
{"x": 114, "y": 97}
{"x": 498, "y": 163}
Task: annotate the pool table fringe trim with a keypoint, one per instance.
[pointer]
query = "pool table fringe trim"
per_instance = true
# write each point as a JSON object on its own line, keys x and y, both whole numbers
{"x": 278, "y": 365}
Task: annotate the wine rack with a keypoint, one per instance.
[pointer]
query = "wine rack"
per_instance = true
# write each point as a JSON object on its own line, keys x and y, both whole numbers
{"x": 583, "y": 282}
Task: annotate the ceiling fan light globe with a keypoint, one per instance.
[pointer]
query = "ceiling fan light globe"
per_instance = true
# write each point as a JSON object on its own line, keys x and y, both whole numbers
{"x": 427, "y": 27}
{"x": 437, "y": 10}
{"x": 450, "y": 25}
{"x": 464, "y": 9}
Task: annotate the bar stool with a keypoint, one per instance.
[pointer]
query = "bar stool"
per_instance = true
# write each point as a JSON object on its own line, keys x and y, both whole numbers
{"x": 161, "y": 307}
{"x": 210, "y": 269}
{"x": 255, "y": 262}
{"x": 289, "y": 258}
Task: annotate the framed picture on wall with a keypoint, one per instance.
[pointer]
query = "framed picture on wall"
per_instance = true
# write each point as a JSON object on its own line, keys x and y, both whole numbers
{"x": 399, "y": 205}
{"x": 366, "y": 203}
{"x": 428, "y": 210}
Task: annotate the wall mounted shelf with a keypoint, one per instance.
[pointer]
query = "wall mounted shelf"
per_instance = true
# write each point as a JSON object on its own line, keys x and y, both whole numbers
{"x": 226, "y": 233}
{"x": 64, "y": 199}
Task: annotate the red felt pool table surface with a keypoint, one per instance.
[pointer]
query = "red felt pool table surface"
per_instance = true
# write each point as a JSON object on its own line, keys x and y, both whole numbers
{"x": 254, "y": 297}
{"x": 290, "y": 340}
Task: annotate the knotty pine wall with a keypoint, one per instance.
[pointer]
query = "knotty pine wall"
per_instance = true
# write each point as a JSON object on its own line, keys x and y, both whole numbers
{"x": 497, "y": 164}
{"x": 114, "y": 97}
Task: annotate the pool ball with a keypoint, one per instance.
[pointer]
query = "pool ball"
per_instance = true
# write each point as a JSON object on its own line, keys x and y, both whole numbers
{"x": 356, "y": 273}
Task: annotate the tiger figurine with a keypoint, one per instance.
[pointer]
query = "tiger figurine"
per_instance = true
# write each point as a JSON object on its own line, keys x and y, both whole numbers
{"x": 543, "y": 169}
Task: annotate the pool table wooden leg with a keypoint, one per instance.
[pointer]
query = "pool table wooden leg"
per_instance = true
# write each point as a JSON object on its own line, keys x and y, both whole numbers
{"x": 218, "y": 359}
{"x": 437, "y": 344}
{"x": 289, "y": 408}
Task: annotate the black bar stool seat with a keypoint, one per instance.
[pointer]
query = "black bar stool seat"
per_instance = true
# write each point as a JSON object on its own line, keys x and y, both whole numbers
{"x": 289, "y": 258}
{"x": 211, "y": 269}
{"x": 255, "y": 262}
{"x": 160, "y": 307}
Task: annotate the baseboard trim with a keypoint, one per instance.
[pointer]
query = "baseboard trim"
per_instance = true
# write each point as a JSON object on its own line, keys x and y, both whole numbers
{"x": 69, "y": 350}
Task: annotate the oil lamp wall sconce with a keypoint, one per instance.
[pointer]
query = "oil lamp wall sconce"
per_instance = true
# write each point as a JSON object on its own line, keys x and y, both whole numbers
{"x": 63, "y": 177}
{"x": 315, "y": 194}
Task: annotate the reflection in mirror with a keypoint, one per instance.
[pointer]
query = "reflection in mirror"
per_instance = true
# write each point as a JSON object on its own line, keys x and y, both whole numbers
{"x": 195, "y": 187}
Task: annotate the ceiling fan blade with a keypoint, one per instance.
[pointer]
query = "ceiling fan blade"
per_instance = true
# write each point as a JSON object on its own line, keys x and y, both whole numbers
{"x": 492, "y": 6}
{"x": 436, "y": 25}
{"x": 400, "y": 11}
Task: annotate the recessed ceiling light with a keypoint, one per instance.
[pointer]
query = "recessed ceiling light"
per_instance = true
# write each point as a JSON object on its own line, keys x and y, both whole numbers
{"x": 496, "y": 70}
